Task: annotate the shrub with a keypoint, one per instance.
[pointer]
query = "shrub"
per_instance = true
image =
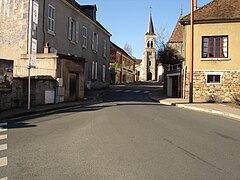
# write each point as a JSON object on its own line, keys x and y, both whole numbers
{"x": 236, "y": 98}
{"x": 213, "y": 98}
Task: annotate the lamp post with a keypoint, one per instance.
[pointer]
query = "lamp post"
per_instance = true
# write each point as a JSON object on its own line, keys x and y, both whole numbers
{"x": 193, "y": 6}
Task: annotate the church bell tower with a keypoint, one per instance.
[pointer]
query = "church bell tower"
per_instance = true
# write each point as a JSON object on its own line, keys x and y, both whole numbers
{"x": 149, "y": 55}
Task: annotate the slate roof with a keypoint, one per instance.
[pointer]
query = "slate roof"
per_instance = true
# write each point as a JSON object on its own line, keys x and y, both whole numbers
{"x": 150, "y": 30}
{"x": 216, "y": 10}
{"x": 177, "y": 35}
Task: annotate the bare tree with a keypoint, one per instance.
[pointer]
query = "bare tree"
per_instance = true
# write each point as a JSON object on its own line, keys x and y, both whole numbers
{"x": 162, "y": 37}
{"x": 128, "y": 48}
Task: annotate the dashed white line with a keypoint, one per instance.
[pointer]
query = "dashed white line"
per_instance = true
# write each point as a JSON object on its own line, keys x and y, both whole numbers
{"x": 5, "y": 178}
{"x": 3, "y": 124}
{"x": 3, "y": 147}
{"x": 137, "y": 91}
{"x": 3, "y": 161}
{"x": 145, "y": 92}
{"x": 3, "y": 136}
{"x": 127, "y": 91}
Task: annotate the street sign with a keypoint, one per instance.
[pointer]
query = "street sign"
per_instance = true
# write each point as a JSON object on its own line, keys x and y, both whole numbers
{"x": 35, "y": 12}
{"x": 33, "y": 54}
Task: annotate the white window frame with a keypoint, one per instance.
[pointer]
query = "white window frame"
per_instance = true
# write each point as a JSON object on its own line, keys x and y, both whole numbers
{"x": 104, "y": 48}
{"x": 212, "y": 74}
{"x": 225, "y": 50}
{"x": 94, "y": 70}
{"x": 73, "y": 30}
{"x": 104, "y": 73}
{"x": 94, "y": 42}
{"x": 51, "y": 19}
{"x": 84, "y": 37}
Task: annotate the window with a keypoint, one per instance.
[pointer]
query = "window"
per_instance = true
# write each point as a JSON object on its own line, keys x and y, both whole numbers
{"x": 213, "y": 77}
{"x": 104, "y": 73}
{"x": 149, "y": 63}
{"x": 94, "y": 70}
{"x": 215, "y": 47}
{"x": 95, "y": 42}
{"x": 51, "y": 19}
{"x": 104, "y": 48}
{"x": 73, "y": 30}
{"x": 84, "y": 37}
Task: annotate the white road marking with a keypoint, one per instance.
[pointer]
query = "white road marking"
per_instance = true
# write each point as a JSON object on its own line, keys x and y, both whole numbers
{"x": 3, "y": 161}
{"x": 137, "y": 91}
{"x": 118, "y": 90}
{"x": 127, "y": 91}
{"x": 3, "y": 147}
{"x": 3, "y": 127}
{"x": 5, "y": 178}
{"x": 3, "y": 124}
{"x": 3, "y": 136}
{"x": 145, "y": 92}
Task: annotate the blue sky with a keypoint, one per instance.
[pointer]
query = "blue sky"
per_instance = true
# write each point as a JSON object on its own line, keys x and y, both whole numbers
{"x": 127, "y": 20}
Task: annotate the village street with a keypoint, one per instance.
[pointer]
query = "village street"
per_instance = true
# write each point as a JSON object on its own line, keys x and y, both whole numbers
{"x": 124, "y": 136}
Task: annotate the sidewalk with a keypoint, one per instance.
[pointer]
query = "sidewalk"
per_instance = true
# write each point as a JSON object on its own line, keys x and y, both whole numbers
{"x": 91, "y": 97}
{"x": 198, "y": 105}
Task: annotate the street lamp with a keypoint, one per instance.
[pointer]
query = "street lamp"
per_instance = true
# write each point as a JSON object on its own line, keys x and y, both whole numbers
{"x": 193, "y": 6}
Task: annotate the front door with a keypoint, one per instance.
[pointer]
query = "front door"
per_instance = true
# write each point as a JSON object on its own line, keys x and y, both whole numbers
{"x": 175, "y": 86}
{"x": 72, "y": 86}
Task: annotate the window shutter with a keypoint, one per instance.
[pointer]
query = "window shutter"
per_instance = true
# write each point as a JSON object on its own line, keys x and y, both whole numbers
{"x": 96, "y": 70}
{"x": 96, "y": 43}
{"x": 93, "y": 71}
{"x": 77, "y": 31}
{"x": 69, "y": 28}
{"x": 93, "y": 41}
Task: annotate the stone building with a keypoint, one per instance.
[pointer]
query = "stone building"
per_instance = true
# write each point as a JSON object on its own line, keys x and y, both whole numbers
{"x": 72, "y": 46}
{"x": 148, "y": 67}
{"x": 216, "y": 50}
{"x": 122, "y": 66}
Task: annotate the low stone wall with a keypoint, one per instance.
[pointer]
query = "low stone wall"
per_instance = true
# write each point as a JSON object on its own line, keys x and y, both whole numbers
{"x": 230, "y": 85}
{"x": 17, "y": 97}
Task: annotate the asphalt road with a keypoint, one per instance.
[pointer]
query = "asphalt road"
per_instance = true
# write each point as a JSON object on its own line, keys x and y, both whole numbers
{"x": 126, "y": 137}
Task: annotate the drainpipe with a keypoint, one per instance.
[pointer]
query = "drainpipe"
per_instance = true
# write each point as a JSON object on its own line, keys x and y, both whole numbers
{"x": 43, "y": 26}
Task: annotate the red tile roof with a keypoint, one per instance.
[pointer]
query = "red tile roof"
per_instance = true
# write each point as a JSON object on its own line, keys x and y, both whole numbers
{"x": 177, "y": 35}
{"x": 216, "y": 10}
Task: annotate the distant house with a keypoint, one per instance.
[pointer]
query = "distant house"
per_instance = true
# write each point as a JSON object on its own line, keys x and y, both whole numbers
{"x": 72, "y": 46}
{"x": 122, "y": 66}
{"x": 216, "y": 49}
{"x": 174, "y": 72}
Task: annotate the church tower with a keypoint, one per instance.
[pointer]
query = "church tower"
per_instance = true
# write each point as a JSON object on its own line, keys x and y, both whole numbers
{"x": 149, "y": 55}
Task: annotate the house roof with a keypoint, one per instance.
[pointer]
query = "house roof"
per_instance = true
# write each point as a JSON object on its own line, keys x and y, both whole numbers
{"x": 177, "y": 35}
{"x": 81, "y": 9}
{"x": 116, "y": 47}
{"x": 150, "y": 30}
{"x": 216, "y": 10}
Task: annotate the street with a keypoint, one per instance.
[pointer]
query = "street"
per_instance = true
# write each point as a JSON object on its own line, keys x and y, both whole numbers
{"x": 124, "y": 136}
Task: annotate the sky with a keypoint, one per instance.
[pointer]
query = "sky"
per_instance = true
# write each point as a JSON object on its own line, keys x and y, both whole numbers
{"x": 127, "y": 20}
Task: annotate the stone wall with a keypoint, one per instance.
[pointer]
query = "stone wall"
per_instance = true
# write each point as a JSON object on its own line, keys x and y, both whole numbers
{"x": 230, "y": 85}
{"x": 17, "y": 97}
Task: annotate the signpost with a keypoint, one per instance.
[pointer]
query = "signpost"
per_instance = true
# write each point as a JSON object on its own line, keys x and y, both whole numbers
{"x": 32, "y": 42}
{"x": 193, "y": 4}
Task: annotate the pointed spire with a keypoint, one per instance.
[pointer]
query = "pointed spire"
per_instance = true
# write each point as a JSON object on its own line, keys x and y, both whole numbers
{"x": 150, "y": 29}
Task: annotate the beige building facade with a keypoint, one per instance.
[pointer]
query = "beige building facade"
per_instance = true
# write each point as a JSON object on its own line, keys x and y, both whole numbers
{"x": 216, "y": 50}
{"x": 67, "y": 34}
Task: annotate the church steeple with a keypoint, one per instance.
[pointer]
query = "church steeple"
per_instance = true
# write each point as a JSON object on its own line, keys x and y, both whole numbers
{"x": 150, "y": 30}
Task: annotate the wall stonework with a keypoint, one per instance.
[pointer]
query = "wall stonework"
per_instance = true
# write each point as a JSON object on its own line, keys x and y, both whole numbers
{"x": 17, "y": 97}
{"x": 230, "y": 85}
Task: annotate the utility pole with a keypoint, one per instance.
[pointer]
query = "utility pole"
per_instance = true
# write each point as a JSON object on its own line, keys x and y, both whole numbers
{"x": 32, "y": 42}
{"x": 193, "y": 4}
{"x": 29, "y": 51}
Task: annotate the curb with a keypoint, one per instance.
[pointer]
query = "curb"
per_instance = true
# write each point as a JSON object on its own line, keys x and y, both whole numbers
{"x": 226, "y": 114}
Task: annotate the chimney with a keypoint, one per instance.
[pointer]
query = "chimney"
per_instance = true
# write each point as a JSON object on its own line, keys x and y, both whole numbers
{"x": 194, "y": 5}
